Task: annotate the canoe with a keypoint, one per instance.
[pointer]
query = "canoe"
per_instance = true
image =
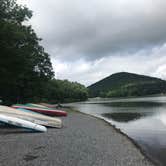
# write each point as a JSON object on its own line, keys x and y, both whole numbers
{"x": 45, "y": 111}
{"x": 32, "y": 116}
{"x": 21, "y": 123}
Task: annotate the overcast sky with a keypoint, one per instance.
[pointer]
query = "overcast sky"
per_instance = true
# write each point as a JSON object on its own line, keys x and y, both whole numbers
{"x": 91, "y": 39}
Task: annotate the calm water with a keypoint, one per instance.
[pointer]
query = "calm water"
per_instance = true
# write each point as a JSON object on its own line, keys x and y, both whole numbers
{"x": 142, "y": 119}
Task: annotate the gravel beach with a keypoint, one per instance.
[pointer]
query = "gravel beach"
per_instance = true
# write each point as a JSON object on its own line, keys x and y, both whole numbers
{"x": 83, "y": 141}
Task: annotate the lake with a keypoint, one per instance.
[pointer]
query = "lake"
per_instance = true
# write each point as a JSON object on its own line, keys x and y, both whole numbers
{"x": 143, "y": 119}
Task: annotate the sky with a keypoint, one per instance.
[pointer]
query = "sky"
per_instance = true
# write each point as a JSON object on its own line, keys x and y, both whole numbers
{"x": 92, "y": 39}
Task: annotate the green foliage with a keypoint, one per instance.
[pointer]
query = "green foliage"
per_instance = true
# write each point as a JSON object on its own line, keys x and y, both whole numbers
{"x": 26, "y": 73}
{"x": 65, "y": 91}
{"x": 127, "y": 84}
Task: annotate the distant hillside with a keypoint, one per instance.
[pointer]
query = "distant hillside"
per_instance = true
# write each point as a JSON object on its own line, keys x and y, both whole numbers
{"x": 127, "y": 84}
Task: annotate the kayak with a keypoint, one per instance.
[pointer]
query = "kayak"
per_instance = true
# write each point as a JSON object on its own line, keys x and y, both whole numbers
{"x": 34, "y": 120}
{"x": 36, "y": 105}
{"x": 49, "y": 105}
{"x": 32, "y": 116}
{"x": 45, "y": 111}
{"x": 25, "y": 110}
{"x": 21, "y": 123}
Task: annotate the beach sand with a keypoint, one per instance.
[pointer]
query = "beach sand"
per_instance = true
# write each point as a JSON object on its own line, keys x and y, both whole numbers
{"x": 83, "y": 141}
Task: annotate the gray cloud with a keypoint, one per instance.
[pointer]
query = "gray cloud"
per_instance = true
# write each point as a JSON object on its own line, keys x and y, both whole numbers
{"x": 97, "y": 28}
{"x": 89, "y": 40}
{"x": 89, "y": 72}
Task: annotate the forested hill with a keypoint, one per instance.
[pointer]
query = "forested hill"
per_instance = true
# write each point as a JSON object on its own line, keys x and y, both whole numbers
{"x": 127, "y": 84}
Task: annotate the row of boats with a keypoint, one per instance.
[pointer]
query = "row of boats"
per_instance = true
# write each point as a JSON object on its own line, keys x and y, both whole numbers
{"x": 31, "y": 116}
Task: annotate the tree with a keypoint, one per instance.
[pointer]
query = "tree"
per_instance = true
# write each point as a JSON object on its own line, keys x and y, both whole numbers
{"x": 65, "y": 91}
{"x": 24, "y": 65}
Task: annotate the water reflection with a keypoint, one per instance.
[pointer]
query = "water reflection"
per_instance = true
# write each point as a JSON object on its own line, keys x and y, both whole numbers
{"x": 162, "y": 117}
{"x": 143, "y": 119}
{"x": 123, "y": 117}
{"x": 134, "y": 104}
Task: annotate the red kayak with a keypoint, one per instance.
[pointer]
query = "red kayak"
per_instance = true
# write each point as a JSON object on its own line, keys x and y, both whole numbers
{"x": 43, "y": 111}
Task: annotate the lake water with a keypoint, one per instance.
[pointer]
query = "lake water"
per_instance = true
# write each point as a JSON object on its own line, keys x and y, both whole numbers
{"x": 143, "y": 119}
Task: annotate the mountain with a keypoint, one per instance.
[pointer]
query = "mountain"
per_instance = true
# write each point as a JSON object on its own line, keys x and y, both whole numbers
{"x": 127, "y": 84}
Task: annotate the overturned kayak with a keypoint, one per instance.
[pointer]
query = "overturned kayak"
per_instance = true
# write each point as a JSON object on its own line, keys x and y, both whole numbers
{"x": 49, "y": 105}
{"x": 32, "y": 116}
{"x": 21, "y": 123}
{"x": 25, "y": 110}
{"x": 42, "y": 110}
{"x": 36, "y": 105}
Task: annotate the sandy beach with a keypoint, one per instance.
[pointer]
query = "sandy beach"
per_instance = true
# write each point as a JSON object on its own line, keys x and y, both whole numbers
{"x": 83, "y": 141}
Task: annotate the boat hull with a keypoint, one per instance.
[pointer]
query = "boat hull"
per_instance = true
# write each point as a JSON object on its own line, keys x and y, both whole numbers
{"x": 21, "y": 123}
{"x": 42, "y": 110}
{"x": 32, "y": 116}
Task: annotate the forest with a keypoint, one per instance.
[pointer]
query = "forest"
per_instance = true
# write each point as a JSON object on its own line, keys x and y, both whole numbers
{"x": 125, "y": 84}
{"x": 26, "y": 72}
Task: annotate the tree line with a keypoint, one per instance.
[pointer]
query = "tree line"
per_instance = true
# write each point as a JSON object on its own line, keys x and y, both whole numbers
{"x": 125, "y": 84}
{"x": 26, "y": 73}
{"x": 139, "y": 89}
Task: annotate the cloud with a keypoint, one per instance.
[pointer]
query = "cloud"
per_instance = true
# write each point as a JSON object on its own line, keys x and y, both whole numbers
{"x": 93, "y": 29}
{"x": 89, "y": 40}
{"x": 88, "y": 72}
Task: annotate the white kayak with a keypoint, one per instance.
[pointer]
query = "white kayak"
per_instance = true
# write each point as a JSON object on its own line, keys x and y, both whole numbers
{"x": 31, "y": 116}
{"x": 21, "y": 123}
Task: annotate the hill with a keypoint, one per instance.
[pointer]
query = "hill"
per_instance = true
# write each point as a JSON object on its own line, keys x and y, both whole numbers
{"x": 127, "y": 84}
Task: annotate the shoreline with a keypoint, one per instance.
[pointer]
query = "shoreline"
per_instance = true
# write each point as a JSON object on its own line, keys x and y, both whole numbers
{"x": 142, "y": 151}
{"x": 84, "y": 140}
